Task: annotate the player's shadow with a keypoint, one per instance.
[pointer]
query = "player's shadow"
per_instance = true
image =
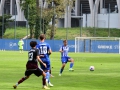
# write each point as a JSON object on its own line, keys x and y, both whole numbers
{"x": 22, "y": 87}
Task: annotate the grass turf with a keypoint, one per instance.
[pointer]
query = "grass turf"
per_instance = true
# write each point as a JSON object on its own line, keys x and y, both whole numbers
{"x": 105, "y": 77}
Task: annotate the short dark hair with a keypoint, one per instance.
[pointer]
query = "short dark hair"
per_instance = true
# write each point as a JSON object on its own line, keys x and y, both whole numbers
{"x": 64, "y": 40}
{"x": 33, "y": 43}
{"x": 42, "y": 36}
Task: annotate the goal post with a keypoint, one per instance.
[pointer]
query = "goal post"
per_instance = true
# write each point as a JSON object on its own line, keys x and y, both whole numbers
{"x": 97, "y": 44}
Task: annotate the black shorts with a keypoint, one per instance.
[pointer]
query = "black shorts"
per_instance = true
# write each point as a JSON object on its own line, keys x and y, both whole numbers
{"x": 38, "y": 72}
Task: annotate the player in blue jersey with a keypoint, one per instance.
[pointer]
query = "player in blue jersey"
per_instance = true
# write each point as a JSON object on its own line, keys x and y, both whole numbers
{"x": 44, "y": 52}
{"x": 32, "y": 65}
{"x": 65, "y": 58}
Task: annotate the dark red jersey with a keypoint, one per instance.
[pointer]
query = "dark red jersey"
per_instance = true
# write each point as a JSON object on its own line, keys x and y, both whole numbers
{"x": 32, "y": 59}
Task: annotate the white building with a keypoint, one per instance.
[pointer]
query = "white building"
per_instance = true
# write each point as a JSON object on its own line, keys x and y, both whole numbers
{"x": 88, "y": 13}
{"x": 11, "y": 7}
{"x": 93, "y": 13}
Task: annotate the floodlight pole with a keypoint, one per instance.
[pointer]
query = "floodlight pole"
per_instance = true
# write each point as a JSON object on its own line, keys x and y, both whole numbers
{"x": 67, "y": 24}
{"x": 81, "y": 22}
{"x": 94, "y": 20}
{"x": 42, "y": 10}
{"x": 15, "y": 24}
{"x": 27, "y": 21}
{"x": 53, "y": 19}
{"x": 2, "y": 22}
{"x": 109, "y": 22}
{"x": 40, "y": 18}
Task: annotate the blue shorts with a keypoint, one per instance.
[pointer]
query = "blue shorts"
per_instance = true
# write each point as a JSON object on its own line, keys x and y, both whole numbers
{"x": 47, "y": 62}
{"x": 65, "y": 59}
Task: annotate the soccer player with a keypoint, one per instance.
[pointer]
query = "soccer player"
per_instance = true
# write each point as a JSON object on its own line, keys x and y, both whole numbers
{"x": 20, "y": 44}
{"x": 44, "y": 52}
{"x": 65, "y": 58}
{"x": 32, "y": 65}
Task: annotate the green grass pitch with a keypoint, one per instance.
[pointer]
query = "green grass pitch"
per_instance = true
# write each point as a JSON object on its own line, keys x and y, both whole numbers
{"x": 105, "y": 77}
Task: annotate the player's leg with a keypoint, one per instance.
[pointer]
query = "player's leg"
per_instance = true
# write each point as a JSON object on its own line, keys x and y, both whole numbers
{"x": 27, "y": 74}
{"x": 48, "y": 83}
{"x": 20, "y": 81}
{"x": 22, "y": 49}
{"x": 40, "y": 72}
{"x": 46, "y": 70}
{"x": 64, "y": 61}
{"x": 62, "y": 68}
{"x": 71, "y": 63}
{"x": 47, "y": 77}
{"x": 44, "y": 78}
{"x": 48, "y": 74}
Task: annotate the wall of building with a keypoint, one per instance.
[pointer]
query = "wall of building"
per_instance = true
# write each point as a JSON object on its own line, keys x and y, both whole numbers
{"x": 103, "y": 20}
{"x": 60, "y": 22}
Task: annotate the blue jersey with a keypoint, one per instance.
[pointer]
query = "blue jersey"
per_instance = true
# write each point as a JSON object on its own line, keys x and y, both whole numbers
{"x": 65, "y": 50}
{"x": 43, "y": 48}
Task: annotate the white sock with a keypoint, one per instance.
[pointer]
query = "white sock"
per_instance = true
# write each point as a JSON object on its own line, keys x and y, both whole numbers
{"x": 16, "y": 84}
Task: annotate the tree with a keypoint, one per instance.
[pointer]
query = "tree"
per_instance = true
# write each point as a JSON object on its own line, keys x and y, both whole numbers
{"x": 4, "y": 25}
{"x": 57, "y": 11}
{"x": 48, "y": 14}
{"x": 29, "y": 8}
{"x": 37, "y": 26}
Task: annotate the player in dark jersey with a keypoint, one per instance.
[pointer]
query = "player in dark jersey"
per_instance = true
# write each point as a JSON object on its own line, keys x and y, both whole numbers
{"x": 32, "y": 65}
{"x": 44, "y": 52}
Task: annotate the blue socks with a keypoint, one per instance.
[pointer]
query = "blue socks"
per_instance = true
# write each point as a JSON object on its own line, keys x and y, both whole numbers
{"x": 61, "y": 70}
{"x": 48, "y": 76}
{"x": 71, "y": 65}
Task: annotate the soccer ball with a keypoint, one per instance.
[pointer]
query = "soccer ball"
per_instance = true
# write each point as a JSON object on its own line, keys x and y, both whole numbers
{"x": 92, "y": 68}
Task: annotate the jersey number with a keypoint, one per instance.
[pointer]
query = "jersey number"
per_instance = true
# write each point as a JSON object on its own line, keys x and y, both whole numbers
{"x": 30, "y": 56}
{"x": 43, "y": 50}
